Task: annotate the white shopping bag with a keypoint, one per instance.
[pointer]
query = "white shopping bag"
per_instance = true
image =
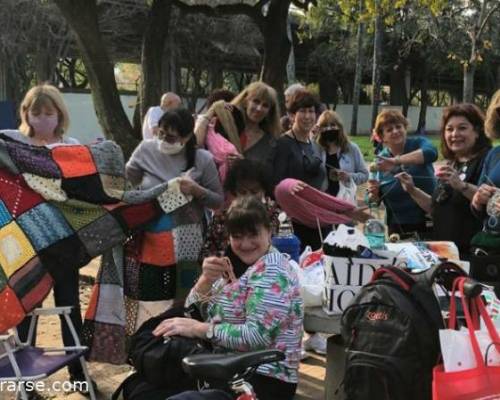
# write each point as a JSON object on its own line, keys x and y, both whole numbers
{"x": 347, "y": 191}
{"x": 457, "y": 352}
{"x": 312, "y": 277}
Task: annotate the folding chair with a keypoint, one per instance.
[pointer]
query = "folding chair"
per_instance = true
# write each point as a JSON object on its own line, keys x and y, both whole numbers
{"x": 23, "y": 362}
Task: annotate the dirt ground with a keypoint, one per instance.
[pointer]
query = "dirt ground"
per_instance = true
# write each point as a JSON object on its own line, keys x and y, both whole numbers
{"x": 108, "y": 376}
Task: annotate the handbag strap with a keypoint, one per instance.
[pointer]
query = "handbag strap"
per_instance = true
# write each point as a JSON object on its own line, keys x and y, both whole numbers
{"x": 397, "y": 275}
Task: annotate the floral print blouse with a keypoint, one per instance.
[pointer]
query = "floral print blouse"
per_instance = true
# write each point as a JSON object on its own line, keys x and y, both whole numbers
{"x": 261, "y": 310}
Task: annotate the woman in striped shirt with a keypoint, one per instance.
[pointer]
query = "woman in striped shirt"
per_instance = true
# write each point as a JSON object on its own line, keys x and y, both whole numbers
{"x": 262, "y": 309}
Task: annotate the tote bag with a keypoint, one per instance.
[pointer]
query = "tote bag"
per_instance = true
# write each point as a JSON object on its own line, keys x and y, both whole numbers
{"x": 481, "y": 382}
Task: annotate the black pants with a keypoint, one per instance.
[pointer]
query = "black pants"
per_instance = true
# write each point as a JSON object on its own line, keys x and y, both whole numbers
{"x": 266, "y": 388}
{"x": 66, "y": 293}
{"x": 410, "y": 231}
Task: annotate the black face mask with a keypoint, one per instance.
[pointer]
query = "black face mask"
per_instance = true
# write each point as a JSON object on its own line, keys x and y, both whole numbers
{"x": 330, "y": 135}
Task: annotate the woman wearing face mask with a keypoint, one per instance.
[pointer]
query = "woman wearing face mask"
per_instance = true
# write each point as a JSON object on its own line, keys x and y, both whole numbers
{"x": 44, "y": 118}
{"x": 250, "y": 122}
{"x": 342, "y": 158}
{"x": 45, "y": 121}
{"x": 173, "y": 154}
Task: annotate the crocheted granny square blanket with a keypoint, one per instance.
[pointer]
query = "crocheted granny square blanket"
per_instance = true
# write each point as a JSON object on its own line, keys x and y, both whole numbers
{"x": 61, "y": 206}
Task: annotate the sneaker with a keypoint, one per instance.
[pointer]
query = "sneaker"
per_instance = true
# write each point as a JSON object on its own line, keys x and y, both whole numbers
{"x": 316, "y": 342}
{"x": 80, "y": 385}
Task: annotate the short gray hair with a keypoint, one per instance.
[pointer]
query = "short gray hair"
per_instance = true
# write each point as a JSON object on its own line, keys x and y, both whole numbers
{"x": 294, "y": 88}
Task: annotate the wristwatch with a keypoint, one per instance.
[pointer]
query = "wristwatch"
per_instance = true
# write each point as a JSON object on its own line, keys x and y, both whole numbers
{"x": 210, "y": 331}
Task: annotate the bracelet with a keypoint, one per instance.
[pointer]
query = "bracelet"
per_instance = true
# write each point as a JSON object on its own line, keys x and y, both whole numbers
{"x": 397, "y": 159}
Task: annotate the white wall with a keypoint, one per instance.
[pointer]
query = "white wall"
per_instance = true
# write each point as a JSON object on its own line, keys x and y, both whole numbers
{"x": 84, "y": 125}
{"x": 83, "y": 120}
{"x": 432, "y": 122}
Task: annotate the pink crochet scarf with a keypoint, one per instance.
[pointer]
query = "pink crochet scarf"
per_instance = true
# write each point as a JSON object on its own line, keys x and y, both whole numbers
{"x": 309, "y": 205}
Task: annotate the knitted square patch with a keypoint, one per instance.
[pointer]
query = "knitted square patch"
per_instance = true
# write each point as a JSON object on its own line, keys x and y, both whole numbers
{"x": 5, "y": 159}
{"x": 101, "y": 234}
{"x": 80, "y": 213}
{"x": 190, "y": 213}
{"x": 16, "y": 194}
{"x": 156, "y": 283}
{"x": 87, "y": 188}
{"x": 158, "y": 249}
{"x": 35, "y": 285}
{"x": 11, "y": 309}
{"x": 74, "y": 161}
{"x": 106, "y": 342}
{"x": 109, "y": 271}
{"x": 15, "y": 248}
{"x": 134, "y": 216}
{"x": 188, "y": 241}
{"x": 33, "y": 160}
{"x": 131, "y": 277}
{"x": 131, "y": 310}
{"x": 49, "y": 188}
{"x": 44, "y": 225}
{"x": 162, "y": 224}
{"x": 110, "y": 307}
{"x": 5, "y": 216}
{"x": 113, "y": 186}
{"x": 172, "y": 198}
{"x": 31, "y": 283}
{"x": 108, "y": 157}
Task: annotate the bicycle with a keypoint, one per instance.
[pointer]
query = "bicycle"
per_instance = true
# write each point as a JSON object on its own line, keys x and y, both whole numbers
{"x": 232, "y": 368}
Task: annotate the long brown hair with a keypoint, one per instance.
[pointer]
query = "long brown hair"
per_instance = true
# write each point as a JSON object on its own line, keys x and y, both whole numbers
{"x": 329, "y": 117}
{"x": 262, "y": 91}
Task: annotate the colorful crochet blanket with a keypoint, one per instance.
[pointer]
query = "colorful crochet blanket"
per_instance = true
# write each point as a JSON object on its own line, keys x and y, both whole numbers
{"x": 60, "y": 207}
{"x": 142, "y": 279}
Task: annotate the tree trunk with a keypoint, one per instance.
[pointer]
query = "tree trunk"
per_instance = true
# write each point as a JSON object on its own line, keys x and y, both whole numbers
{"x": 3, "y": 80}
{"x": 377, "y": 58}
{"x": 468, "y": 92}
{"x": 358, "y": 74}
{"x": 153, "y": 44}
{"x": 407, "y": 89}
{"x": 276, "y": 44}
{"x": 424, "y": 99}
{"x": 82, "y": 18}
{"x": 45, "y": 64}
{"x": 290, "y": 65}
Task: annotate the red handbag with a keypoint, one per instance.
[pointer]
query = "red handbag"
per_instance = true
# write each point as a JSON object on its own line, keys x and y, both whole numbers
{"x": 481, "y": 382}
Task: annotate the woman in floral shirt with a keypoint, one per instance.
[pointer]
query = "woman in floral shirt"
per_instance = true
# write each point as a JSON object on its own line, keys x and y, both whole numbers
{"x": 260, "y": 310}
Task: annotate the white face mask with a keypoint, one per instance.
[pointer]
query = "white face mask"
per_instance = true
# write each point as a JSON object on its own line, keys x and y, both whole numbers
{"x": 170, "y": 148}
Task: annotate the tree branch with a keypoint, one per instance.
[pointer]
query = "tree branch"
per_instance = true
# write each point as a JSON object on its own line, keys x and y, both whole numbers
{"x": 485, "y": 20}
{"x": 304, "y": 5}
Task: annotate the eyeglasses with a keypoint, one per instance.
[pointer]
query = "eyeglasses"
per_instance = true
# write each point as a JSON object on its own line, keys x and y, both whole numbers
{"x": 167, "y": 136}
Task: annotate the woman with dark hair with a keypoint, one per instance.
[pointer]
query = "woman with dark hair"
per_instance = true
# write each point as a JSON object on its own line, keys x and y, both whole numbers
{"x": 414, "y": 155}
{"x": 464, "y": 145}
{"x": 343, "y": 158}
{"x": 298, "y": 157}
{"x": 245, "y": 178}
{"x": 173, "y": 154}
{"x": 254, "y": 309}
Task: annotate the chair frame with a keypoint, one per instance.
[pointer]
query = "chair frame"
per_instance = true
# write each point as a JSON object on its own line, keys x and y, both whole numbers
{"x": 10, "y": 350}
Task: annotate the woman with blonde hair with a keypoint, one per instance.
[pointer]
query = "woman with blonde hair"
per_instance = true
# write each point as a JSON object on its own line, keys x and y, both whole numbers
{"x": 45, "y": 121}
{"x": 44, "y": 117}
{"x": 250, "y": 122}
{"x": 343, "y": 158}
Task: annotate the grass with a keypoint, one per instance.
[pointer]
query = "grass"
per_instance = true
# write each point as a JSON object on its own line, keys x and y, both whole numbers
{"x": 366, "y": 146}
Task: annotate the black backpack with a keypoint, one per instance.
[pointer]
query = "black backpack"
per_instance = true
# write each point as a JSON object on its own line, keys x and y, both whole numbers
{"x": 391, "y": 333}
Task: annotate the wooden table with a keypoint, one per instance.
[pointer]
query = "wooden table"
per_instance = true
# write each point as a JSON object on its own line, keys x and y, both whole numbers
{"x": 316, "y": 320}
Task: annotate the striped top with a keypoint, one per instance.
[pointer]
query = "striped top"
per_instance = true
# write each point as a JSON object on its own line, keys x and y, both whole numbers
{"x": 261, "y": 310}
